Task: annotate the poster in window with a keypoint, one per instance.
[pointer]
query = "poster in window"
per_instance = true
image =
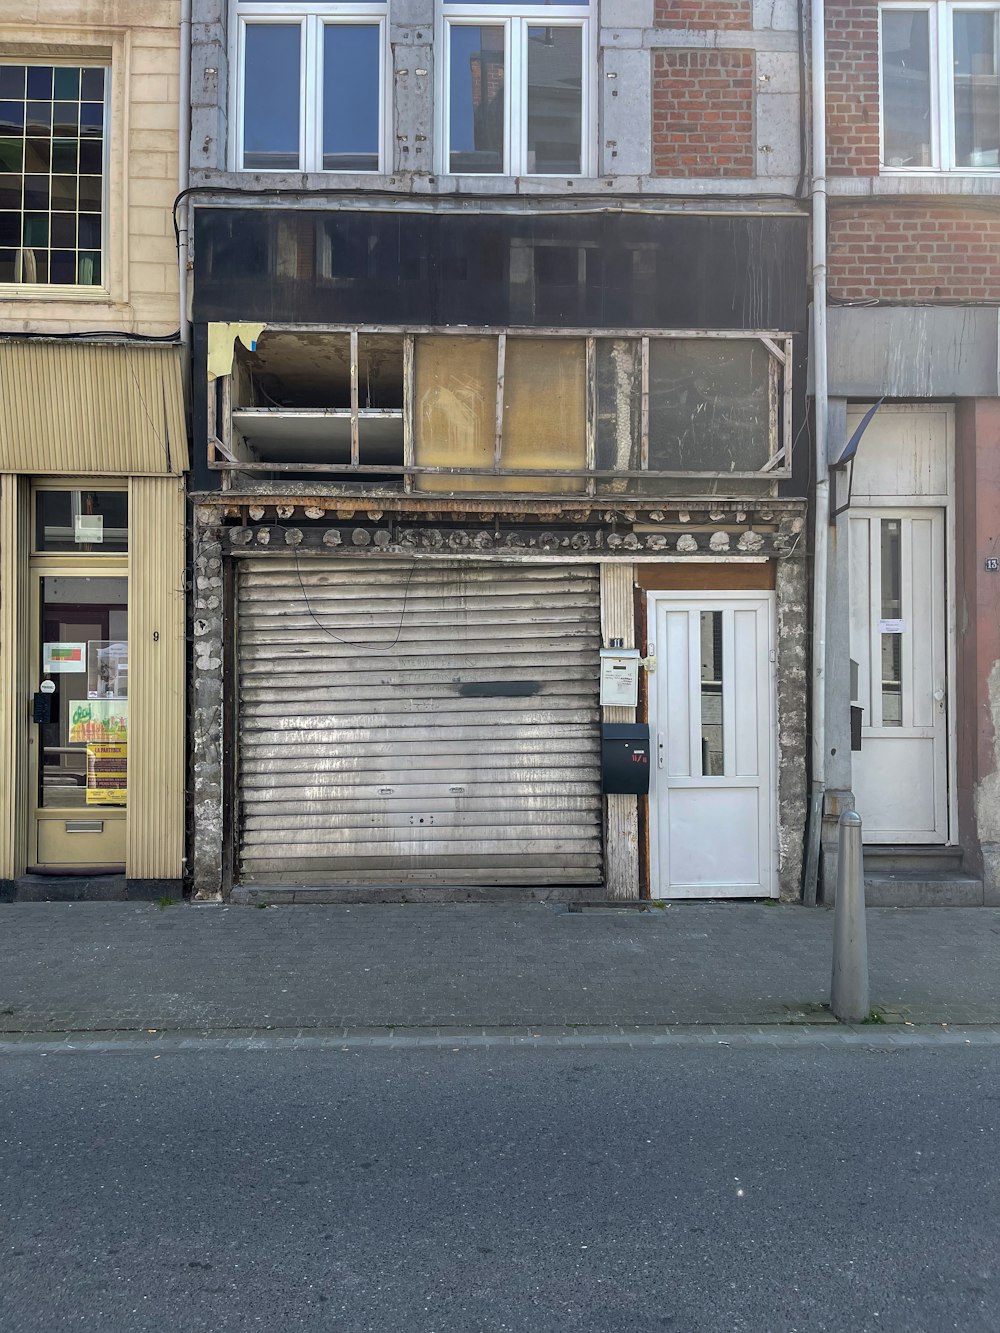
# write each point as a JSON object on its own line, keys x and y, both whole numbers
{"x": 58, "y": 658}
{"x": 94, "y": 721}
{"x": 107, "y": 669}
{"x": 107, "y": 774}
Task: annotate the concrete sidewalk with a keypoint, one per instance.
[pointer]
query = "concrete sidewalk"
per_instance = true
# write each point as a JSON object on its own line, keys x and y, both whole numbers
{"x": 124, "y": 967}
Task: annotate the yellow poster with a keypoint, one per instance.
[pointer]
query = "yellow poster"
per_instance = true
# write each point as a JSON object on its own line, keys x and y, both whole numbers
{"x": 94, "y": 720}
{"x": 107, "y": 774}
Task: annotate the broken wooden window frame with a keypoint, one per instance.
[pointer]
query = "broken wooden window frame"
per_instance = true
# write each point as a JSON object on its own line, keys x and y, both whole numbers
{"x": 227, "y": 453}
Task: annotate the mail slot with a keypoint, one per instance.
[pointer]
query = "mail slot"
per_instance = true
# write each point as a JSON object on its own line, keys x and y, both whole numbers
{"x": 857, "y": 714}
{"x": 625, "y": 758}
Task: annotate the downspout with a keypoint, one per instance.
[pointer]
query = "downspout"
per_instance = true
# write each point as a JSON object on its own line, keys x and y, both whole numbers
{"x": 821, "y": 535}
{"x": 183, "y": 167}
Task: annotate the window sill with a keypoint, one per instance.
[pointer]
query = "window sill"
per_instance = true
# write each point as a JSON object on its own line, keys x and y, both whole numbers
{"x": 889, "y": 183}
{"x": 46, "y": 292}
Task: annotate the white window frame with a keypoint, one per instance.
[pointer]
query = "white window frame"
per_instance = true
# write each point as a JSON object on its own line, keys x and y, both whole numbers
{"x": 516, "y": 20}
{"x": 100, "y": 291}
{"x": 941, "y": 51}
{"x": 313, "y": 19}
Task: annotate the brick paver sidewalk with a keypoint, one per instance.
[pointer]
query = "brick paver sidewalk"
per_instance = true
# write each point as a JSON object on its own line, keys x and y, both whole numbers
{"x": 122, "y": 966}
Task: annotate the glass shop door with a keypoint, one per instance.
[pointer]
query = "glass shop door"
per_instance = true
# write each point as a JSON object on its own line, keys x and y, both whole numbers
{"x": 79, "y": 731}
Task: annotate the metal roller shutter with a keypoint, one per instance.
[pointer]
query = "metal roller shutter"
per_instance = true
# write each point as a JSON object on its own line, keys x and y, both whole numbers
{"x": 418, "y": 722}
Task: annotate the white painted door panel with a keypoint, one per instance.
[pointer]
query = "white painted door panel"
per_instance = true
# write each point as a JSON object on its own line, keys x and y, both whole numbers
{"x": 711, "y": 708}
{"x": 898, "y": 639}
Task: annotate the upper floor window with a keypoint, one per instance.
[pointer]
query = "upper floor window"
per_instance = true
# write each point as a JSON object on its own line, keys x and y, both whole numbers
{"x": 311, "y": 87}
{"x": 53, "y": 123}
{"x": 941, "y": 86}
{"x": 514, "y": 94}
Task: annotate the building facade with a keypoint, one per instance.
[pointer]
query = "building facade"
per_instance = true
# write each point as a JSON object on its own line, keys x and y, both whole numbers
{"x": 499, "y": 319}
{"x": 93, "y": 448}
{"x": 914, "y": 281}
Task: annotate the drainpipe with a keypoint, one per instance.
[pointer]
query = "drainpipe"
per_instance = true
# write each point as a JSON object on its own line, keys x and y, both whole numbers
{"x": 183, "y": 165}
{"x": 822, "y": 472}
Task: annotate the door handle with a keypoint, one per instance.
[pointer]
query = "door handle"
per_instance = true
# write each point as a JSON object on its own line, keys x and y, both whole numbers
{"x": 939, "y": 698}
{"x": 659, "y": 749}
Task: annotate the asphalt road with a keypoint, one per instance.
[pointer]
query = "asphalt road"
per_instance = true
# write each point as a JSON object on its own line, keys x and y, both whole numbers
{"x": 433, "y": 1191}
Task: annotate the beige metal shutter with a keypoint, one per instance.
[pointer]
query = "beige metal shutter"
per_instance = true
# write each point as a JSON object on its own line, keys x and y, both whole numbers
{"x": 418, "y": 722}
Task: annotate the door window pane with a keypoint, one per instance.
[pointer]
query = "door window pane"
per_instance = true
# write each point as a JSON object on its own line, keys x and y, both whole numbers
{"x": 555, "y": 100}
{"x": 84, "y": 748}
{"x": 906, "y": 88}
{"x": 271, "y": 76}
{"x": 351, "y": 59}
{"x": 892, "y": 642}
{"x": 84, "y": 522}
{"x": 977, "y": 88}
{"x": 713, "y": 763}
{"x": 477, "y": 109}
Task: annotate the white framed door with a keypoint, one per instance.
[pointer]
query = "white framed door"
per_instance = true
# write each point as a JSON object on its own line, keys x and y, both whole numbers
{"x": 711, "y": 711}
{"x": 899, "y": 642}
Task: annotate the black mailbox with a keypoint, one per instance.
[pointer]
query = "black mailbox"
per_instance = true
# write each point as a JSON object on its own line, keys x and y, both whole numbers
{"x": 625, "y": 758}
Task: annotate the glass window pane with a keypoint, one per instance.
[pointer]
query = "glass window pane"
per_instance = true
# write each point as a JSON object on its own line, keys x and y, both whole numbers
{"x": 892, "y": 604}
{"x": 85, "y": 655}
{"x": 84, "y": 522}
{"x": 351, "y": 96}
{"x": 477, "y": 109}
{"x": 66, "y": 85}
{"x": 92, "y": 84}
{"x": 709, "y": 405}
{"x": 12, "y": 118}
{"x": 63, "y": 267}
{"x": 271, "y": 77}
{"x": 977, "y": 88}
{"x": 40, "y": 82}
{"x": 12, "y": 81}
{"x": 38, "y": 118}
{"x": 713, "y": 764}
{"x": 906, "y": 88}
{"x": 10, "y": 191}
{"x": 555, "y": 100}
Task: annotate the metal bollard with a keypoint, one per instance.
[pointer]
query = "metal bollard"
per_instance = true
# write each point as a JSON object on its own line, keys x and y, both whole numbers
{"x": 849, "y": 985}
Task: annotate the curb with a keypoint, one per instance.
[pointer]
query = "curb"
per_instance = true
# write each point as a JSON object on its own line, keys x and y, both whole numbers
{"x": 538, "y": 1038}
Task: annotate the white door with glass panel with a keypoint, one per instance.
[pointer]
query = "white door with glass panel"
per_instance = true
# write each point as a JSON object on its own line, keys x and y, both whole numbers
{"x": 711, "y": 709}
{"x": 898, "y": 641}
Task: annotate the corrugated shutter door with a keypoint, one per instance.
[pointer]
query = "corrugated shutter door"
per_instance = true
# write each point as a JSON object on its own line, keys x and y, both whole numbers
{"x": 420, "y": 722}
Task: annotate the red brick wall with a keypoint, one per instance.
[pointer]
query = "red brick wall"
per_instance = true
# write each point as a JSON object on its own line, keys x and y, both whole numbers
{"x": 914, "y": 253}
{"x": 852, "y": 96}
{"x": 703, "y": 113}
{"x": 703, "y": 14}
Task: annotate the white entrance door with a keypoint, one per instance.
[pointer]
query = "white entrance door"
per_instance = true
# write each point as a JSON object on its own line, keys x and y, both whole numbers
{"x": 898, "y": 641}
{"x": 711, "y": 720}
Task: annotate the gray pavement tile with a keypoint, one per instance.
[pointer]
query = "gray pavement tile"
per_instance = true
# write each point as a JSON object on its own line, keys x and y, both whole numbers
{"x": 127, "y": 966}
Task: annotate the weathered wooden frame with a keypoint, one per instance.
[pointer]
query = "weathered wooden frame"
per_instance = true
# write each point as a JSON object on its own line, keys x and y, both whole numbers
{"x": 223, "y": 455}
